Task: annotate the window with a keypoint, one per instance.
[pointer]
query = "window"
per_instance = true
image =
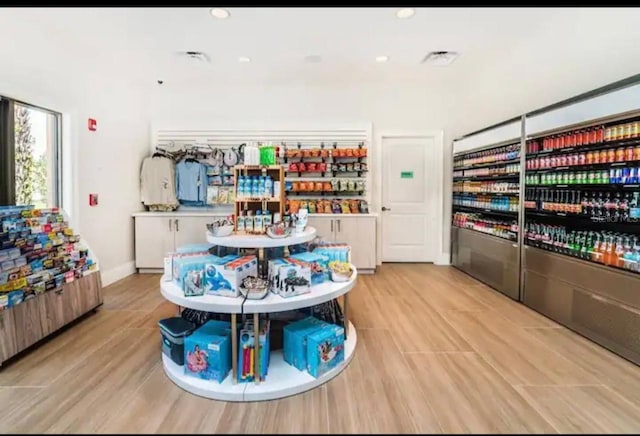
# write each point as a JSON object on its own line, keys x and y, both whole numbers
{"x": 30, "y": 155}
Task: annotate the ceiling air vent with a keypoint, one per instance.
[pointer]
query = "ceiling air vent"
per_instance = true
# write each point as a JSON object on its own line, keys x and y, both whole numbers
{"x": 196, "y": 56}
{"x": 440, "y": 58}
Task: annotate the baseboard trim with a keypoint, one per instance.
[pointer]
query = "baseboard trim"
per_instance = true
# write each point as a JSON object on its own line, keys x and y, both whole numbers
{"x": 117, "y": 273}
{"x": 443, "y": 259}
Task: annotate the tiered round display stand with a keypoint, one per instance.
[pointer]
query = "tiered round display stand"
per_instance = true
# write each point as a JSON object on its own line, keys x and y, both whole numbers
{"x": 283, "y": 379}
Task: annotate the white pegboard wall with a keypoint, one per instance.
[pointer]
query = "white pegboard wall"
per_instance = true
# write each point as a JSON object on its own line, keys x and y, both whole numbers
{"x": 233, "y": 138}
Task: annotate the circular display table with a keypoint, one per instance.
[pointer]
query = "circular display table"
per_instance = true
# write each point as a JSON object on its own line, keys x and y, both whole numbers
{"x": 283, "y": 379}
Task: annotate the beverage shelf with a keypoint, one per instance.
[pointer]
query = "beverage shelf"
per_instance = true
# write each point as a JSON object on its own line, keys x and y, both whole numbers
{"x": 501, "y": 213}
{"x": 488, "y": 164}
{"x": 598, "y": 166}
{"x": 514, "y": 238}
{"x": 587, "y": 255}
{"x": 610, "y": 221}
{"x": 589, "y": 147}
{"x": 588, "y": 186}
{"x": 488, "y": 177}
{"x": 498, "y": 194}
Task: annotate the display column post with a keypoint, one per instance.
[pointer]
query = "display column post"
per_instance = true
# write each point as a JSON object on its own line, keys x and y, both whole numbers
{"x": 234, "y": 348}
{"x": 345, "y": 315}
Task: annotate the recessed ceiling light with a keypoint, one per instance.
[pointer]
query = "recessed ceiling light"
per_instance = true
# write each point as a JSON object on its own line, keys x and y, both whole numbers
{"x": 220, "y": 13}
{"x": 313, "y": 59}
{"x": 405, "y": 13}
{"x": 440, "y": 58}
{"x": 244, "y": 59}
{"x": 382, "y": 58}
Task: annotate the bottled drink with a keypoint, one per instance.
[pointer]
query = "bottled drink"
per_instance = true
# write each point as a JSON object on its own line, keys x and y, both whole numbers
{"x": 240, "y": 193}
{"x": 261, "y": 185}
{"x": 268, "y": 187}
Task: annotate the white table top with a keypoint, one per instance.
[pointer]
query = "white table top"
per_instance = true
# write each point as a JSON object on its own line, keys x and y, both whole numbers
{"x": 261, "y": 241}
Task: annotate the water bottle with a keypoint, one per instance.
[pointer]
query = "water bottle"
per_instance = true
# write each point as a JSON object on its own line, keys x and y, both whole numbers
{"x": 261, "y": 186}
{"x": 240, "y": 192}
{"x": 254, "y": 187}
{"x": 268, "y": 187}
{"x": 241, "y": 222}
{"x": 267, "y": 219}
{"x": 257, "y": 222}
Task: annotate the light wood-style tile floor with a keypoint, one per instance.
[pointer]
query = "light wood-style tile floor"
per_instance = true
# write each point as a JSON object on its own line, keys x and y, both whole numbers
{"x": 438, "y": 352}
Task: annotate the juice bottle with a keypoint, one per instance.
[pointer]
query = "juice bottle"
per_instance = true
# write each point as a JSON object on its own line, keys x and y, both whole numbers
{"x": 596, "y": 250}
{"x": 619, "y": 253}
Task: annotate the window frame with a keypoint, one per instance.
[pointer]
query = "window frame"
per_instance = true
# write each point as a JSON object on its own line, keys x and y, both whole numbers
{"x": 7, "y": 150}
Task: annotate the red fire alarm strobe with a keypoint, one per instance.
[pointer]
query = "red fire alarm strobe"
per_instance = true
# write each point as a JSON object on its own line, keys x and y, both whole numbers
{"x": 93, "y": 199}
{"x": 92, "y": 124}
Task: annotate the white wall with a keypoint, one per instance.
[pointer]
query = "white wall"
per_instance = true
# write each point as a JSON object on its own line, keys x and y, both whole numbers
{"x": 105, "y": 162}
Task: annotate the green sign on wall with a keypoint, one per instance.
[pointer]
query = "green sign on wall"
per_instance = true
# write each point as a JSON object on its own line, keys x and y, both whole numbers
{"x": 406, "y": 174}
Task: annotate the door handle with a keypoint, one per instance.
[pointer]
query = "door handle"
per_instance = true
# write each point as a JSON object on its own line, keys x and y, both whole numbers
{"x": 339, "y": 226}
{"x": 384, "y": 209}
{"x": 177, "y": 228}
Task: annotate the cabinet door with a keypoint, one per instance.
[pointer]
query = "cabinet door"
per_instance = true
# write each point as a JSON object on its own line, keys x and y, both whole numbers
{"x": 54, "y": 312}
{"x": 360, "y": 233}
{"x": 154, "y": 239}
{"x": 8, "y": 340}
{"x": 324, "y": 225}
{"x": 191, "y": 230}
{"x": 28, "y": 324}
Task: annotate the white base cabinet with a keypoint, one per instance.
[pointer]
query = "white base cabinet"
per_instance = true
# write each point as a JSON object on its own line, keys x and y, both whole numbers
{"x": 158, "y": 233}
{"x": 359, "y": 231}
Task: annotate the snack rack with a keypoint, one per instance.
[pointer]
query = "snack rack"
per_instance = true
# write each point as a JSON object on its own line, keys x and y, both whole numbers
{"x": 318, "y": 173}
{"x": 272, "y": 204}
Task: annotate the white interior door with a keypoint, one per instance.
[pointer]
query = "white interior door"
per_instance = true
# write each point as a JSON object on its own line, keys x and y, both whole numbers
{"x": 410, "y": 199}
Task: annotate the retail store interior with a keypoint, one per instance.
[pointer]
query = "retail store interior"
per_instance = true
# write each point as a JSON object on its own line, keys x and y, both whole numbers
{"x": 319, "y": 220}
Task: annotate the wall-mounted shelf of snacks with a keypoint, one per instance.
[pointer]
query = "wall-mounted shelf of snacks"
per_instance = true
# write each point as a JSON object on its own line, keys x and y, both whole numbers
{"x": 327, "y": 206}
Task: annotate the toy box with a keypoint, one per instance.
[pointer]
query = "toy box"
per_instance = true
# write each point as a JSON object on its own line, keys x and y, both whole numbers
{"x": 325, "y": 349}
{"x": 272, "y": 273}
{"x": 182, "y": 265}
{"x": 317, "y": 263}
{"x": 194, "y": 248}
{"x": 293, "y": 280}
{"x": 295, "y": 340}
{"x": 247, "y": 352}
{"x": 225, "y": 279}
{"x": 334, "y": 251}
{"x": 207, "y": 353}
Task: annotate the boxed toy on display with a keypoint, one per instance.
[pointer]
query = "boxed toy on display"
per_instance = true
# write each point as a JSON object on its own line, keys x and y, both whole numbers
{"x": 295, "y": 341}
{"x": 325, "y": 349}
{"x": 207, "y": 351}
{"x": 226, "y": 279}
{"x": 39, "y": 252}
{"x": 313, "y": 345}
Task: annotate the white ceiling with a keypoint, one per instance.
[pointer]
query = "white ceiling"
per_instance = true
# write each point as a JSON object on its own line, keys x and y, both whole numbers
{"x": 515, "y": 59}
{"x": 141, "y": 44}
